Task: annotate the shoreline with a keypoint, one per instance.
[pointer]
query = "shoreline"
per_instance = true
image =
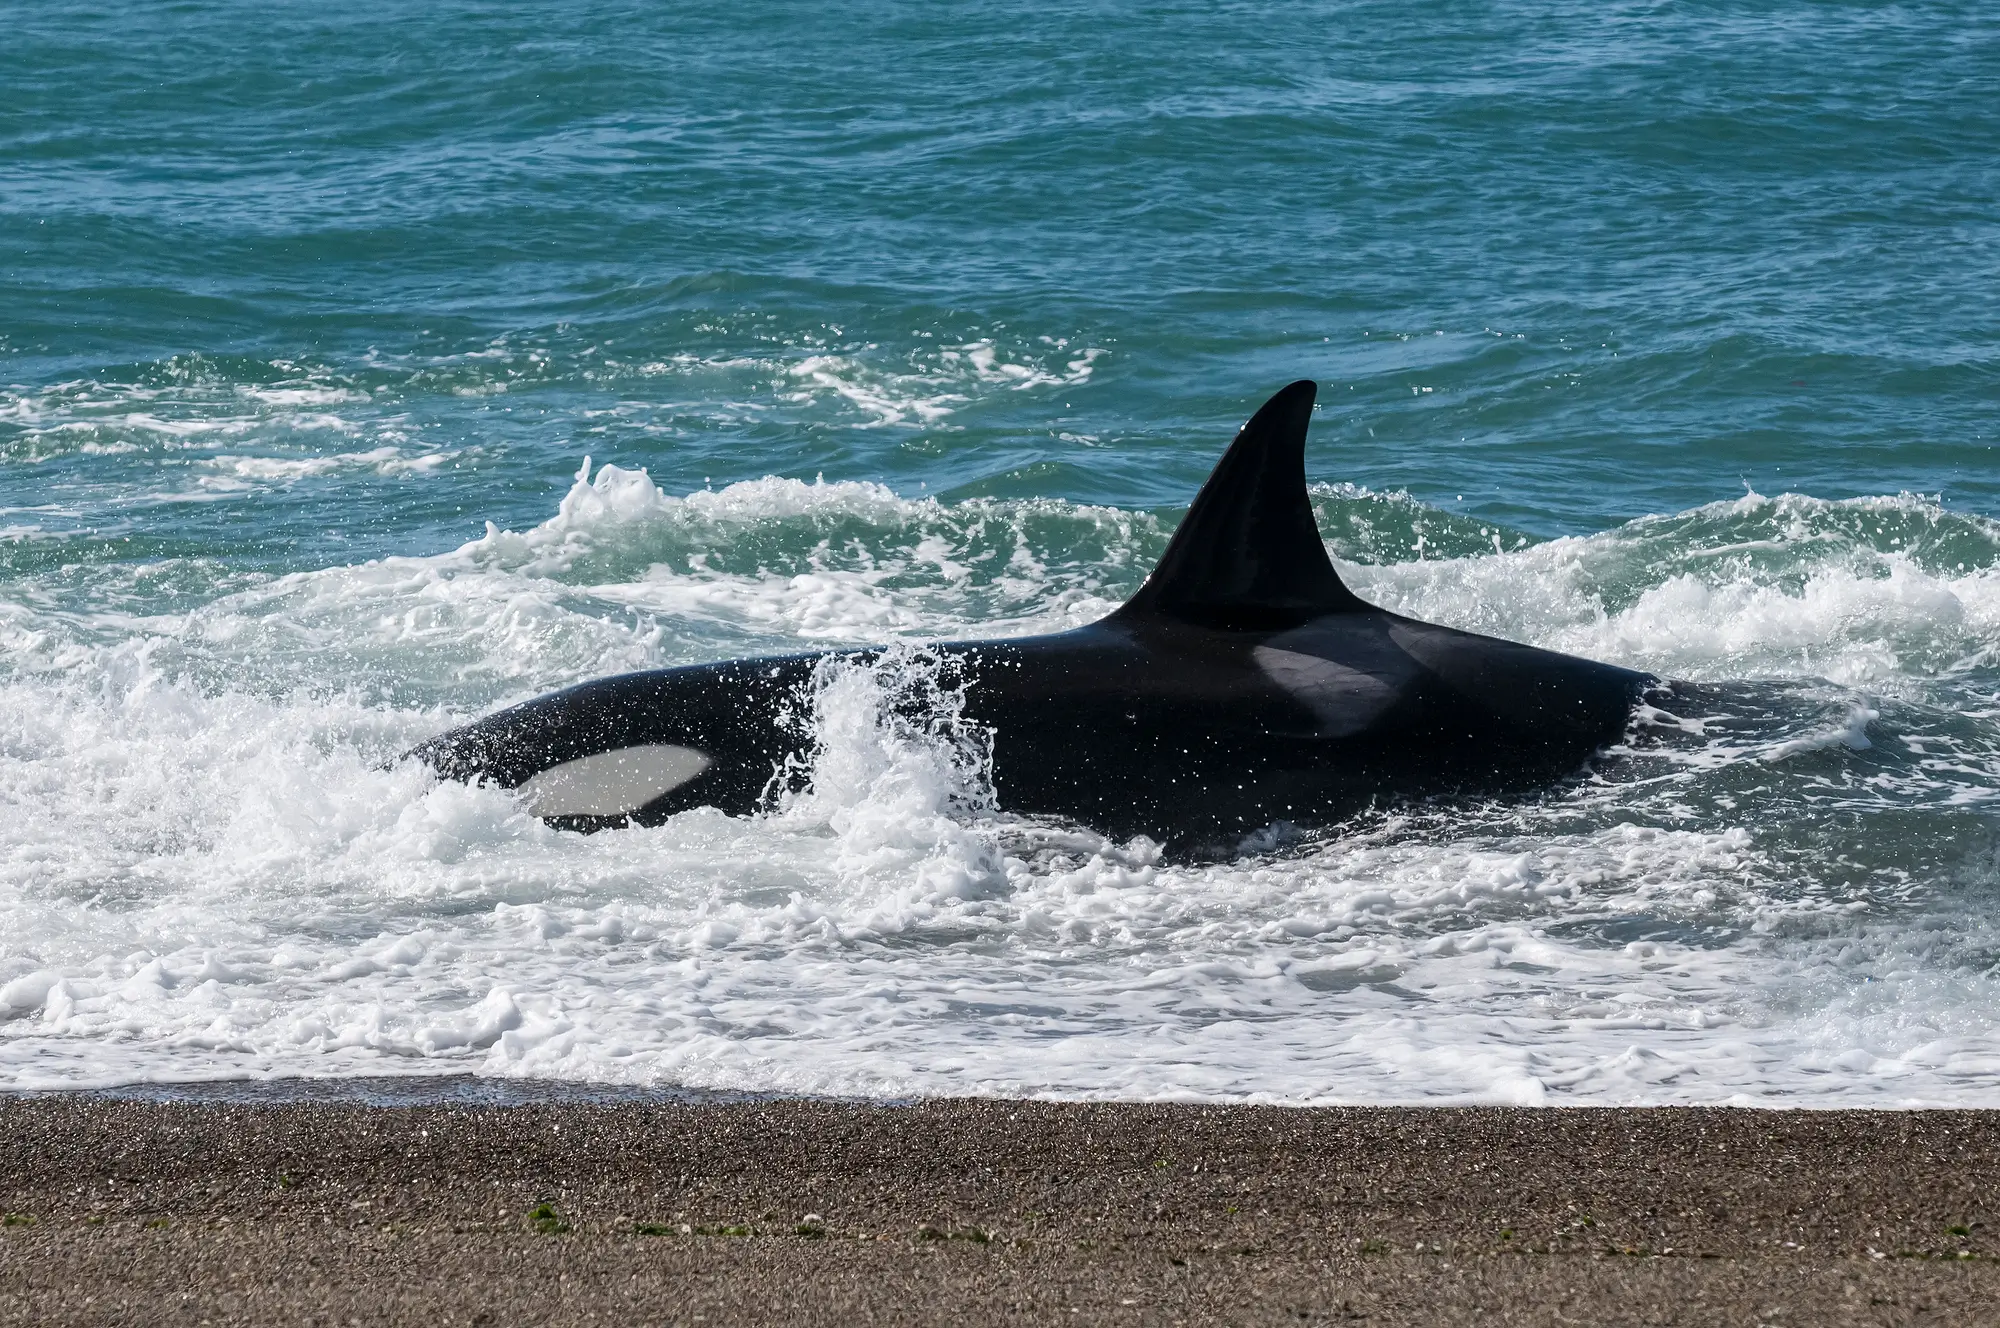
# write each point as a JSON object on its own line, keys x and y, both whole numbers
{"x": 388, "y": 1091}
{"x": 981, "y": 1210}
{"x": 461, "y": 1088}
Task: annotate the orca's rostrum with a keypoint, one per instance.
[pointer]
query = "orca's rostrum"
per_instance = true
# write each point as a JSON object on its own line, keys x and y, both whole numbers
{"x": 1243, "y": 686}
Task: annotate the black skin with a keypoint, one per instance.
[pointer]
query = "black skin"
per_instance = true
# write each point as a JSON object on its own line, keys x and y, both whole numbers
{"x": 1158, "y": 728}
{"x": 1244, "y": 686}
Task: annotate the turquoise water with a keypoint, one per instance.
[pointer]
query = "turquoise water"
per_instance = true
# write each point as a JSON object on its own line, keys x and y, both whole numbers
{"x": 1557, "y": 267}
{"x": 1661, "y": 333}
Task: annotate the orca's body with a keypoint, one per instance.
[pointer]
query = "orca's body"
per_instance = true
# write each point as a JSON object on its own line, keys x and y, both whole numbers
{"x": 1244, "y": 685}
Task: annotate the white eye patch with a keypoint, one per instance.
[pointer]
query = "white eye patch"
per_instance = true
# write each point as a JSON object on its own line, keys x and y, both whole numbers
{"x": 611, "y": 783}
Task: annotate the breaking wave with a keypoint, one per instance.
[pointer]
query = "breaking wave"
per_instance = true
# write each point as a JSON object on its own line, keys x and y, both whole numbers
{"x": 1778, "y": 891}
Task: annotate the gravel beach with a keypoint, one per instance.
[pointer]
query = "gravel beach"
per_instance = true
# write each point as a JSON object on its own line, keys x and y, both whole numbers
{"x": 135, "y": 1211}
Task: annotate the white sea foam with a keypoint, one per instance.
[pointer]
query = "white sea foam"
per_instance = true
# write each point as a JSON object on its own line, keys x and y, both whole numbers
{"x": 1830, "y": 607}
{"x": 210, "y": 866}
{"x": 872, "y": 387}
{"x": 381, "y": 460}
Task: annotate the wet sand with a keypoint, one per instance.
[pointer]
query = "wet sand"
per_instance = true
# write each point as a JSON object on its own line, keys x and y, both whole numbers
{"x": 974, "y": 1212}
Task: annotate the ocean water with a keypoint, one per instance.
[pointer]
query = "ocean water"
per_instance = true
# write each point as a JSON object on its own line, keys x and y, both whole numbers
{"x": 367, "y": 367}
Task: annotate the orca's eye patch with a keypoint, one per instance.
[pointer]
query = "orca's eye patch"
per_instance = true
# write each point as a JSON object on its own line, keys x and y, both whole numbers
{"x": 611, "y": 783}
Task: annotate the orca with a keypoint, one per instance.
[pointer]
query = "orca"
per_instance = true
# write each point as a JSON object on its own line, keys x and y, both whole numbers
{"x": 1243, "y": 686}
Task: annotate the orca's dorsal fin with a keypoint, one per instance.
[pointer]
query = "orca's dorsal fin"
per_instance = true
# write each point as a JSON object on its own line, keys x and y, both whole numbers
{"x": 1248, "y": 554}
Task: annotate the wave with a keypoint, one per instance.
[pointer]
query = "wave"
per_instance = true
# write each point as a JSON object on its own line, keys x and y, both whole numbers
{"x": 1778, "y": 892}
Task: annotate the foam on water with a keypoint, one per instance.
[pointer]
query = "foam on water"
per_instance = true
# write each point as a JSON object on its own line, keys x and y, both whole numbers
{"x": 1778, "y": 892}
{"x": 807, "y": 377}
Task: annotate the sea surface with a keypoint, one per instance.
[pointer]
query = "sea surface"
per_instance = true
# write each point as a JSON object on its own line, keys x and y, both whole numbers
{"x": 365, "y": 367}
